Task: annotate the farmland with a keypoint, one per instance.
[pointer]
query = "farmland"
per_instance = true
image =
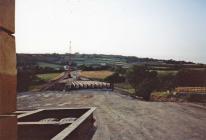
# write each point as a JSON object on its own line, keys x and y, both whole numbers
{"x": 93, "y": 66}
{"x": 96, "y": 74}
{"x": 48, "y": 76}
{"x": 162, "y": 72}
{"x": 59, "y": 60}
{"x": 44, "y": 64}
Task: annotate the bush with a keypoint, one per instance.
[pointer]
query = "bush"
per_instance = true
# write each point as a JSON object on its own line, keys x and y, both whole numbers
{"x": 120, "y": 70}
{"x": 24, "y": 79}
{"x": 143, "y": 81}
{"x": 146, "y": 88}
{"x": 114, "y": 78}
{"x": 190, "y": 78}
{"x": 166, "y": 82}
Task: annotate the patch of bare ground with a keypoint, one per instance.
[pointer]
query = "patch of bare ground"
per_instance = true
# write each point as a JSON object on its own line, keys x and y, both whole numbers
{"x": 120, "y": 117}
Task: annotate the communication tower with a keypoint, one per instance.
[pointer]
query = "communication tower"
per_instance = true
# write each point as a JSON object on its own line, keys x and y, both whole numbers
{"x": 70, "y": 60}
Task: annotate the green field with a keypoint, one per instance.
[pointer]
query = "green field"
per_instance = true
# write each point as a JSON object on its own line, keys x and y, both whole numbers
{"x": 48, "y": 76}
{"x": 125, "y": 87}
{"x": 45, "y": 64}
{"x": 162, "y": 72}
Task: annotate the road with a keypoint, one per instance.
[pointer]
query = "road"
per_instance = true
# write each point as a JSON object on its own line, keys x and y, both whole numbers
{"x": 120, "y": 117}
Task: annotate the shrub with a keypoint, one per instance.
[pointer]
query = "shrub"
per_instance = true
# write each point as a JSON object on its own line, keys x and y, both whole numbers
{"x": 146, "y": 87}
{"x": 166, "y": 82}
{"x": 190, "y": 78}
{"x": 143, "y": 81}
{"x": 114, "y": 78}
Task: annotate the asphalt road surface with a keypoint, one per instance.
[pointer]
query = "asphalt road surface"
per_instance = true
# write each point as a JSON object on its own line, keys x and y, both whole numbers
{"x": 121, "y": 117}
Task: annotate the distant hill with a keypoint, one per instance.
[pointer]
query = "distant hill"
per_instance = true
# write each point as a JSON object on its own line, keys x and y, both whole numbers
{"x": 60, "y": 60}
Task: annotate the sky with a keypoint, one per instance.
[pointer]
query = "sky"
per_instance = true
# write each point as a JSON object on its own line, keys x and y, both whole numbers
{"x": 162, "y": 29}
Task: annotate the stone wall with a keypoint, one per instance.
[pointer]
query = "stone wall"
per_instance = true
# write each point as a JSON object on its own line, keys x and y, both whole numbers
{"x": 8, "y": 122}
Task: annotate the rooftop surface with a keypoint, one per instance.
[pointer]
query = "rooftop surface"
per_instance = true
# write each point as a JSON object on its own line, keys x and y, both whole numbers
{"x": 125, "y": 118}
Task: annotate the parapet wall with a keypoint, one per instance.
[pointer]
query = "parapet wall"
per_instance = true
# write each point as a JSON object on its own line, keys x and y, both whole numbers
{"x": 7, "y": 14}
{"x": 8, "y": 122}
{"x": 7, "y": 73}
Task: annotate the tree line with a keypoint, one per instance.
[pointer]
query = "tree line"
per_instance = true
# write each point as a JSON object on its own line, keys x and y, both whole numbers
{"x": 145, "y": 81}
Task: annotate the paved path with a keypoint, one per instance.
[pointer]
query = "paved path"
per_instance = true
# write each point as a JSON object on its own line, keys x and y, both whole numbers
{"x": 122, "y": 118}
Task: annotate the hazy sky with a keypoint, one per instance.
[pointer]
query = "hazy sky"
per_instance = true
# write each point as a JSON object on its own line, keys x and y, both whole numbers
{"x": 167, "y": 29}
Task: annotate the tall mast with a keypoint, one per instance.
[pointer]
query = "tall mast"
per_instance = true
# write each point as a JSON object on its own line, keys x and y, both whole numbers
{"x": 70, "y": 59}
{"x": 70, "y": 53}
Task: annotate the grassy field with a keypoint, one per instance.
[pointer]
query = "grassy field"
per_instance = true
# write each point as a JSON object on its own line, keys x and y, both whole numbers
{"x": 96, "y": 74}
{"x": 200, "y": 69}
{"x": 162, "y": 72}
{"x": 48, "y": 76}
{"x": 161, "y": 96}
{"x": 125, "y": 87}
{"x": 44, "y": 64}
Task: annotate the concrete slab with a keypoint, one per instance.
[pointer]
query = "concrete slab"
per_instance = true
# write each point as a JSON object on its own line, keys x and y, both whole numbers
{"x": 121, "y": 117}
